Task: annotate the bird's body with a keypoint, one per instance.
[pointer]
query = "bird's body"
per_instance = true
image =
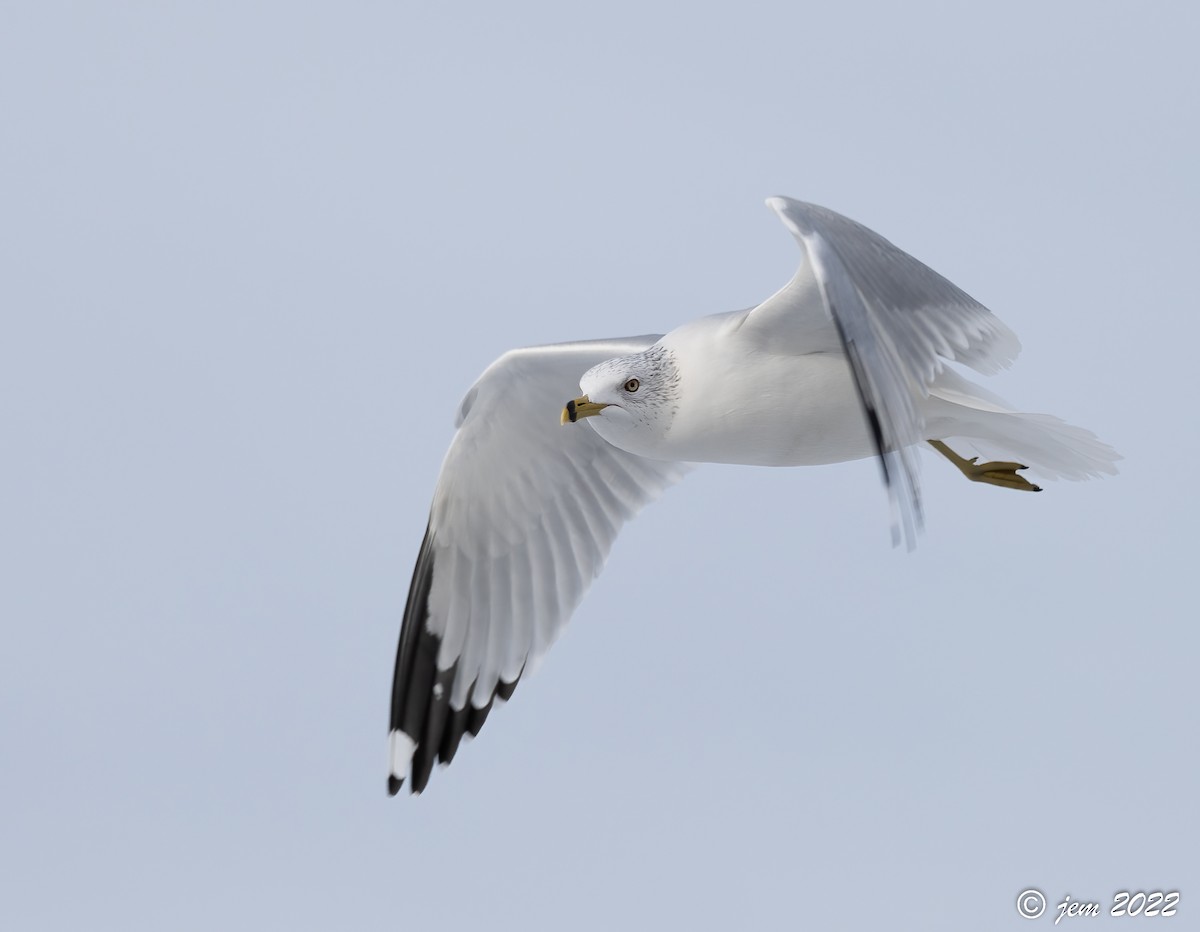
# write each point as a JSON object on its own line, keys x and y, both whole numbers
{"x": 808, "y": 413}
{"x": 845, "y": 362}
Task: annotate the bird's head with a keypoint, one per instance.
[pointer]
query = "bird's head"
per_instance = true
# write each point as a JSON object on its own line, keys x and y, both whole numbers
{"x": 629, "y": 400}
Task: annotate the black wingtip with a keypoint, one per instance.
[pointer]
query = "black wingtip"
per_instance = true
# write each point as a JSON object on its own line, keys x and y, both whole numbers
{"x": 421, "y": 692}
{"x": 478, "y": 716}
{"x": 505, "y": 690}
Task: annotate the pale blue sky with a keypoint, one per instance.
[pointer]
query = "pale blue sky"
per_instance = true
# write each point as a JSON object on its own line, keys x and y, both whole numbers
{"x": 254, "y": 254}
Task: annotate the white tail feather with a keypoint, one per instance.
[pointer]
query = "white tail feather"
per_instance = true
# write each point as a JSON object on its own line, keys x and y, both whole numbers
{"x": 962, "y": 414}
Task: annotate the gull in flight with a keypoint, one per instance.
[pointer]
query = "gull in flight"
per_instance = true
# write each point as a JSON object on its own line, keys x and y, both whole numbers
{"x": 846, "y": 361}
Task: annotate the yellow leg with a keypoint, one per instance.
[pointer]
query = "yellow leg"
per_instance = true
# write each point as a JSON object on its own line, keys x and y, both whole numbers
{"x": 1001, "y": 474}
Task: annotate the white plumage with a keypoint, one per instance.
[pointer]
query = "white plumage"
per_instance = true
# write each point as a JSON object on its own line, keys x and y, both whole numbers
{"x": 846, "y": 361}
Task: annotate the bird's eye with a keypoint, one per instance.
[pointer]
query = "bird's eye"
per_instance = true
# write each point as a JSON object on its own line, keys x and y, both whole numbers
{"x": 632, "y": 385}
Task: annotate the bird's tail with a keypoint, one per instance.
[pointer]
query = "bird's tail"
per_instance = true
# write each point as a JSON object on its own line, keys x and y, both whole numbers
{"x": 967, "y": 416}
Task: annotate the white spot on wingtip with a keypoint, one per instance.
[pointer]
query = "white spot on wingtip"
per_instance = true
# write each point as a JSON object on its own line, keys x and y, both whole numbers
{"x": 401, "y": 752}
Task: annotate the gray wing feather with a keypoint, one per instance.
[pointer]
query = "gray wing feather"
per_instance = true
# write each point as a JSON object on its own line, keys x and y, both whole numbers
{"x": 524, "y": 514}
{"x": 915, "y": 313}
{"x": 895, "y": 318}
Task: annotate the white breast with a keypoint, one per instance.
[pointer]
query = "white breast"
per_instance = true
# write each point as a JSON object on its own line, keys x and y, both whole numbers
{"x": 768, "y": 410}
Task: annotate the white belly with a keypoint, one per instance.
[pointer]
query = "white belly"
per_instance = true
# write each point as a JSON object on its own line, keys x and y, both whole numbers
{"x": 794, "y": 411}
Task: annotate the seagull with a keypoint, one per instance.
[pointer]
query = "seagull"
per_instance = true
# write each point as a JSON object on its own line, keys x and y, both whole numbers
{"x": 846, "y": 361}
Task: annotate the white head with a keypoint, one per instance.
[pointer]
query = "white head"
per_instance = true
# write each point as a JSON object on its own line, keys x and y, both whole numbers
{"x": 630, "y": 400}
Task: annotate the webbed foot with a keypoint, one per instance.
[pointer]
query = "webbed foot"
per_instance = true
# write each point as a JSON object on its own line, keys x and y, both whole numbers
{"x": 994, "y": 473}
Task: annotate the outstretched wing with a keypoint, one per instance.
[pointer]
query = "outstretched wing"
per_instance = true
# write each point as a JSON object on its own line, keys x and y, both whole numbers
{"x": 894, "y": 318}
{"x": 523, "y": 517}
